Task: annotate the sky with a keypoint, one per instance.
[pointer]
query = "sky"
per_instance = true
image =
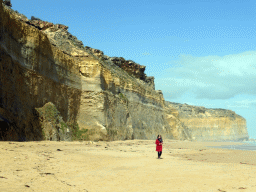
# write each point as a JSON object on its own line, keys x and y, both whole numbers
{"x": 201, "y": 52}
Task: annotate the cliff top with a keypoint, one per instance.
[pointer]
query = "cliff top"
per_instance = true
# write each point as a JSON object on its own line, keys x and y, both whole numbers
{"x": 196, "y": 110}
{"x": 59, "y": 36}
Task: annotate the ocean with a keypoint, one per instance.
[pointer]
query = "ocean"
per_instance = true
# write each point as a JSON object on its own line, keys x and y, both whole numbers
{"x": 247, "y": 145}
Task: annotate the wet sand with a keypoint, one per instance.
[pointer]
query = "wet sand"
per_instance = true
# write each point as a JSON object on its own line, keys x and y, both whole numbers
{"x": 130, "y": 165}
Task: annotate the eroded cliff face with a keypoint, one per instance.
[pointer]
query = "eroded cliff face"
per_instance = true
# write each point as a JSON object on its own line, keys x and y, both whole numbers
{"x": 33, "y": 72}
{"x": 42, "y": 62}
{"x": 204, "y": 124}
{"x": 116, "y": 101}
{"x": 179, "y": 131}
{"x": 52, "y": 87}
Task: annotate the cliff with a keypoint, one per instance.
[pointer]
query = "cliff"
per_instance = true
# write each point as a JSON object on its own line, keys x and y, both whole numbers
{"x": 42, "y": 62}
{"x": 33, "y": 72}
{"x": 54, "y": 88}
{"x": 204, "y": 124}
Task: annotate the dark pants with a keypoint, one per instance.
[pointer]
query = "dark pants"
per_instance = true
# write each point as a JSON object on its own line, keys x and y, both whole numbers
{"x": 159, "y": 154}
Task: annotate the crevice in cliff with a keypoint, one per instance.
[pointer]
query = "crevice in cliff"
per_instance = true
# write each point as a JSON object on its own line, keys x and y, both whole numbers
{"x": 9, "y": 131}
{"x": 185, "y": 132}
{"x": 4, "y": 129}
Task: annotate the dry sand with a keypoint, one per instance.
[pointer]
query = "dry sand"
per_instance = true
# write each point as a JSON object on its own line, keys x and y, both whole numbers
{"x": 130, "y": 165}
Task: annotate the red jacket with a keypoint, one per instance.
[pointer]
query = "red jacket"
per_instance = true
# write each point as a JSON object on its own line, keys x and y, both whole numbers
{"x": 158, "y": 146}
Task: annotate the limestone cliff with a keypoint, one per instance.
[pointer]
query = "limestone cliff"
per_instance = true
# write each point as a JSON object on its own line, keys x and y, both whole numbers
{"x": 52, "y": 87}
{"x": 42, "y": 62}
{"x": 33, "y": 72}
{"x": 204, "y": 124}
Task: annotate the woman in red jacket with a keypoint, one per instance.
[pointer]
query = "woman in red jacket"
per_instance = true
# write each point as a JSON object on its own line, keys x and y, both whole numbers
{"x": 159, "y": 143}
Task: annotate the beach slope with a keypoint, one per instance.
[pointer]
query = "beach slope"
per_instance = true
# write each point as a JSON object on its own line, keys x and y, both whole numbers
{"x": 130, "y": 165}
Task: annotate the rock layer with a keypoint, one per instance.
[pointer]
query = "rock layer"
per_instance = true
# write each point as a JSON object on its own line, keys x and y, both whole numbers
{"x": 33, "y": 72}
{"x": 96, "y": 97}
{"x": 205, "y": 124}
{"x": 41, "y": 65}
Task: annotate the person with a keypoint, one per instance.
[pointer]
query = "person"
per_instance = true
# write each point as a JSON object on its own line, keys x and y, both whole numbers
{"x": 159, "y": 143}
{"x": 161, "y": 140}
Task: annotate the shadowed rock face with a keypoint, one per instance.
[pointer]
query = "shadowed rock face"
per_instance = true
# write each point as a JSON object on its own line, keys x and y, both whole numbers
{"x": 4, "y": 127}
{"x": 129, "y": 66}
{"x": 105, "y": 98}
{"x": 7, "y": 3}
{"x": 33, "y": 72}
{"x": 211, "y": 124}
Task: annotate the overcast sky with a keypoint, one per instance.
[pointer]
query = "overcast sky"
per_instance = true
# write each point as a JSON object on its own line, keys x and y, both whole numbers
{"x": 201, "y": 52}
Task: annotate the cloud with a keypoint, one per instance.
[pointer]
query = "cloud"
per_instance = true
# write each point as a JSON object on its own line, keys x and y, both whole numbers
{"x": 211, "y": 77}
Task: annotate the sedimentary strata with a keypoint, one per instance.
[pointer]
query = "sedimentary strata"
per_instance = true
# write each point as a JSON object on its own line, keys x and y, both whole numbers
{"x": 33, "y": 73}
{"x": 205, "y": 124}
{"x": 42, "y": 62}
{"x": 94, "y": 96}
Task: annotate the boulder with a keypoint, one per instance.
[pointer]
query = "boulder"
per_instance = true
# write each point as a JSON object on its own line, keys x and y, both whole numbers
{"x": 150, "y": 81}
{"x": 60, "y": 26}
{"x": 42, "y": 25}
{"x": 7, "y": 3}
{"x": 35, "y": 18}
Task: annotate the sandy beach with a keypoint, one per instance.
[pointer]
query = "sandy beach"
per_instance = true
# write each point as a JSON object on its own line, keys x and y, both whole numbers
{"x": 130, "y": 165}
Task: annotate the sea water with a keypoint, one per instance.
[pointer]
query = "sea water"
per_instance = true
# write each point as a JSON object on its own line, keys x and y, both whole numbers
{"x": 247, "y": 145}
